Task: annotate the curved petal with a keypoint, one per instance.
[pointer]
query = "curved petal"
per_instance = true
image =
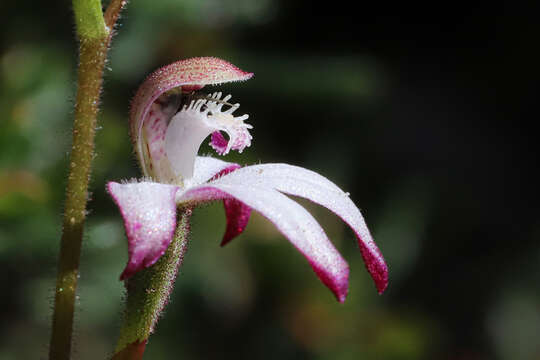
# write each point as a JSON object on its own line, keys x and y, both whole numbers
{"x": 236, "y": 212}
{"x": 191, "y": 74}
{"x": 149, "y": 212}
{"x": 305, "y": 183}
{"x": 207, "y": 167}
{"x": 238, "y": 215}
{"x": 292, "y": 220}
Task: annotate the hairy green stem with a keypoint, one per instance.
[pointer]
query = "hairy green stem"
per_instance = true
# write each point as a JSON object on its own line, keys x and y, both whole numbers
{"x": 94, "y": 37}
{"x": 148, "y": 292}
{"x": 89, "y": 19}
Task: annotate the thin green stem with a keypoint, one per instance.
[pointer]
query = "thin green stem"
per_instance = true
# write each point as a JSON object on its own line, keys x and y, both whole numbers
{"x": 94, "y": 38}
{"x": 148, "y": 292}
{"x": 89, "y": 19}
{"x": 92, "y": 60}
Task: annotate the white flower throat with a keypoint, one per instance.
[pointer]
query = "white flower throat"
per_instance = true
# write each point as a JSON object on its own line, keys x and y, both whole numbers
{"x": 172, "y": 146}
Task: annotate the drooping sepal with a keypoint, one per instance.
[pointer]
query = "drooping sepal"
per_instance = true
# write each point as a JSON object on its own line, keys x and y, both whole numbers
{"x": 149, "y": 212}
{"x": 297, "y": 181}
{"x": 236, "y": 212}
{"x": 148, "y": 291}
{"x": 238, "y": 215}
{"x": 291, "y": 219}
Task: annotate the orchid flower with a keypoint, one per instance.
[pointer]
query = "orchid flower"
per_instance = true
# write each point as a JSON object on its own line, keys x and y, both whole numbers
{"x": 169, "y": 121}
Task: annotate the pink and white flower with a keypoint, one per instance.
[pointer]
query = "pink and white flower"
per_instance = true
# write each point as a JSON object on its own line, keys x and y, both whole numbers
{"x": 169, "y": 121}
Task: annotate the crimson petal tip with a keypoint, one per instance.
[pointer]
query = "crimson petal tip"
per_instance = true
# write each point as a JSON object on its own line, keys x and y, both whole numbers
{"x": 149, "y": 213}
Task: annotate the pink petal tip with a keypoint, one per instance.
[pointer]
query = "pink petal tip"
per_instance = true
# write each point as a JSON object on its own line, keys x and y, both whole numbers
{"x": 291, "y": 219}
{"x": 149, "y": 212}
{"x": 238, "y": 215}
{"x": 375, "y": 265}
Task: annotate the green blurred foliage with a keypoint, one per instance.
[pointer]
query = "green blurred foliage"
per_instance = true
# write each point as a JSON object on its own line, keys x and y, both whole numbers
{"x": 322, "y": 103}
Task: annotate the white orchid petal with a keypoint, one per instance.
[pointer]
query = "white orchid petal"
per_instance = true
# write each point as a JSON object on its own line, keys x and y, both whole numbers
{"x": 305, "y": 183}
{"x": 236, "y": 212}
{"x": 207, "y": 167}
{"x": 185, "y": 133}
{"x": 291, "y": 219}
{"x": 149, "y": 212}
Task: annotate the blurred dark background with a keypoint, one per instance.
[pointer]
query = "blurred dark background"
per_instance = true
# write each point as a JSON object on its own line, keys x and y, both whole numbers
{"x": 425, "y": 115}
